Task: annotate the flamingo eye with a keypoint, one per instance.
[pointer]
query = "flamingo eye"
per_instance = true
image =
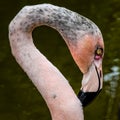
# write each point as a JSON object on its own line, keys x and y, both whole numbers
{"x": 98, "y": 53}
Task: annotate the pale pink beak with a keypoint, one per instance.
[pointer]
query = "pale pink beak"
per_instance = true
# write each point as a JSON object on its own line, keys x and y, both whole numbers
{"x": 91, "y": 84}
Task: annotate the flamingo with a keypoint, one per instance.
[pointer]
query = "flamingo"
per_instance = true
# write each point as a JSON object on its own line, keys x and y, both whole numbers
{"x": 85, "y": 42}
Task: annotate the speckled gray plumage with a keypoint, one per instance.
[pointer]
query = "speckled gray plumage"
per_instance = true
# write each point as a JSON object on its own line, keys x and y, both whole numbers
{"x": 70, "y": 25}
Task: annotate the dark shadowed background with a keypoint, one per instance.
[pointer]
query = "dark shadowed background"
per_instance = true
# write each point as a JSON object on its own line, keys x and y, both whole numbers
{"x": 19, "y": 99}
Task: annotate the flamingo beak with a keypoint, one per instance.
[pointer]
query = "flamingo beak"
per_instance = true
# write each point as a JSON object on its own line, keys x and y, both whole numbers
{"x": 91, "y": 84}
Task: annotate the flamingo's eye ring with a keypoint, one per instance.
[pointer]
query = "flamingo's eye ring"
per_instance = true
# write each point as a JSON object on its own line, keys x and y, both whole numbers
{"x": 98, "y": 53}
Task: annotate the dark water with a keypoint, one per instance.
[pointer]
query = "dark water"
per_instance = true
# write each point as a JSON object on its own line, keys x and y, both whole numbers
{"x": 19, "y": 99}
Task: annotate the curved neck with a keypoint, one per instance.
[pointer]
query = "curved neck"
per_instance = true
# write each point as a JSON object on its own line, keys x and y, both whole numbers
{"x": 55, "y": 89}
{"x": 69, "y": 24}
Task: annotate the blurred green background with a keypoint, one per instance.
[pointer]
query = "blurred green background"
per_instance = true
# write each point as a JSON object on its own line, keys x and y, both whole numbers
{"x": 19, "y": 99}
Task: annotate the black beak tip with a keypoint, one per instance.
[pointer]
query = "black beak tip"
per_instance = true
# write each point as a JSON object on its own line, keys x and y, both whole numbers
{"x": 87, "y": 97}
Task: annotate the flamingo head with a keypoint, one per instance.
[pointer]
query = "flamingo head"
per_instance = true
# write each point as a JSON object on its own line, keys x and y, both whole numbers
{"x": 88, "y": 53}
